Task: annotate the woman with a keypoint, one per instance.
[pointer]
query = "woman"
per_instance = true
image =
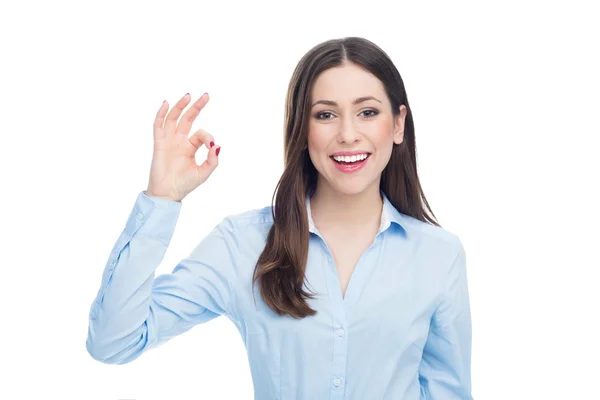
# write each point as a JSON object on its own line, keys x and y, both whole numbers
{"x": 344, "y": 288}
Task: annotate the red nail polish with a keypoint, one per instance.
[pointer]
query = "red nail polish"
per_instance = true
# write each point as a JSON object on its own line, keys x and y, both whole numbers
{"x": 218, "y": 150}
{"x": 212, "y": 144}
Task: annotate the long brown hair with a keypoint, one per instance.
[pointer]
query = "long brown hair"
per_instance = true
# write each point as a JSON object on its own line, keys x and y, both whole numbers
{"x": 281, "y": 266}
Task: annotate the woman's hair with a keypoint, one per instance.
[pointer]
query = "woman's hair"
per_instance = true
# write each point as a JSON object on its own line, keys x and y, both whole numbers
{"x": 281, "y": 267}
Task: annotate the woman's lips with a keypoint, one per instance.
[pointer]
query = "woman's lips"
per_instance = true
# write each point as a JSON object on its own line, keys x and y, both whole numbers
{"x": 352, "y": 167}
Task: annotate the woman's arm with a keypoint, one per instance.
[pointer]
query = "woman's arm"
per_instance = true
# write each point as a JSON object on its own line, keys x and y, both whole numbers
{"x": 445, "y": 370}
{"x": 133, "y": 311}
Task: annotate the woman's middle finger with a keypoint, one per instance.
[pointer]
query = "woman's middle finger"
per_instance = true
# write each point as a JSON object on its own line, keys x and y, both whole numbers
{"x": 185, "y": 123}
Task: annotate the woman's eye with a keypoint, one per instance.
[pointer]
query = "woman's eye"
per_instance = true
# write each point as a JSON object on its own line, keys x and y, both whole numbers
{"x": 323, "y": 113}
{"x": 374, "y": 113}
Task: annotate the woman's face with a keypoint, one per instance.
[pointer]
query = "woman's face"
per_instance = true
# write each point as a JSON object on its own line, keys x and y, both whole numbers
{"x": 367, "y": 127}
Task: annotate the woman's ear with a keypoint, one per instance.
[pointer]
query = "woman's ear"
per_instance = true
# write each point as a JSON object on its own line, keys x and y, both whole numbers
{"x": 399, "y": 125}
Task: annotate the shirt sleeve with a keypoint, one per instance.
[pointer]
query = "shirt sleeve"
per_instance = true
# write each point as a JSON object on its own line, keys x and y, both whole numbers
{"x": 134, "y": 311}
{"x": 445, "y": 369}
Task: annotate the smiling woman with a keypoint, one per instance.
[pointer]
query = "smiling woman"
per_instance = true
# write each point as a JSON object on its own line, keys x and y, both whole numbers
{"x": 361, "y": 294}
{"x": 365, "y": 120}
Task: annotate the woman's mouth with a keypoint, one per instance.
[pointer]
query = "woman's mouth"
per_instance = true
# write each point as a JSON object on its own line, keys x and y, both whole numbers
{"x": 350, "y": 163}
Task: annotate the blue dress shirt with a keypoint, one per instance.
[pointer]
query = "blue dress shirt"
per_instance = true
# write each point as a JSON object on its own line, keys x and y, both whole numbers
{"x": 402, "y": 330}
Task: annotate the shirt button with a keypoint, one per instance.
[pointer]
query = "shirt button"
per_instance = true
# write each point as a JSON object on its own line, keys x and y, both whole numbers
{"x": 139, "y": 217}
{"x": 337, "y": 382}
{"x": 340, "y": 332}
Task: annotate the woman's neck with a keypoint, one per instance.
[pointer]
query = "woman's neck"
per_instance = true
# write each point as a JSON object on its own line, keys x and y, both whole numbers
{"x": 331, "y": 210}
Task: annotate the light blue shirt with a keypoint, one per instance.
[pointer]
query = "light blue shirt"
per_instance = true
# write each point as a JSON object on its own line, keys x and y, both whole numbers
{"x": 402, "y": 330}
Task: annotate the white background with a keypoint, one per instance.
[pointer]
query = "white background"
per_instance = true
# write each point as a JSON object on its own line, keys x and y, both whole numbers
{"x": 505, "y": 98}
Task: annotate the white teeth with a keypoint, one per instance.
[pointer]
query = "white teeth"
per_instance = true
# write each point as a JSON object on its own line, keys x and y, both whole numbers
{"x": 354, "y": 158}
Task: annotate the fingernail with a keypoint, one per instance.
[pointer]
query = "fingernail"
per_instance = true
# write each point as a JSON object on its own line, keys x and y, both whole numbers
{"x": 218, "y": 150}
{"x": 187, "y": 94}
{"x": 212, "y": 144}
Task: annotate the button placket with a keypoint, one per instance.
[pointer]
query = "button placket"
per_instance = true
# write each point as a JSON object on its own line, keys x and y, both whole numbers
{"x": 340, "y": 344}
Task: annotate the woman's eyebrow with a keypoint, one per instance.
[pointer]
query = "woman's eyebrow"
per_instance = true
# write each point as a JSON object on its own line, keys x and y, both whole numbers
{"x": 333, "y": 103}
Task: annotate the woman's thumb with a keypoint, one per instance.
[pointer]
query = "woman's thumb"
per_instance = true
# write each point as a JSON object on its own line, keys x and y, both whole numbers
{"x": 211, "y": 162}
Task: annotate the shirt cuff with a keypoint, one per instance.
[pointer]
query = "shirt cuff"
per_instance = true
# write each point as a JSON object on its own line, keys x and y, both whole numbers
{"x": 153, "y": 217}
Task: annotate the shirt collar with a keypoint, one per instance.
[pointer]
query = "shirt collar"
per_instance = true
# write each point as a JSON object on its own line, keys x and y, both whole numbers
{"x": 389, "y": 215}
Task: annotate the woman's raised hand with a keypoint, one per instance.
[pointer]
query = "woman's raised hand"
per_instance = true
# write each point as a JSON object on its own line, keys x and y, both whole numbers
{"x": 174, "y": 172}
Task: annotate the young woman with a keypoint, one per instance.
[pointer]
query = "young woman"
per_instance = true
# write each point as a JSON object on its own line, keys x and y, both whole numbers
{"x": 344, "y": 288}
